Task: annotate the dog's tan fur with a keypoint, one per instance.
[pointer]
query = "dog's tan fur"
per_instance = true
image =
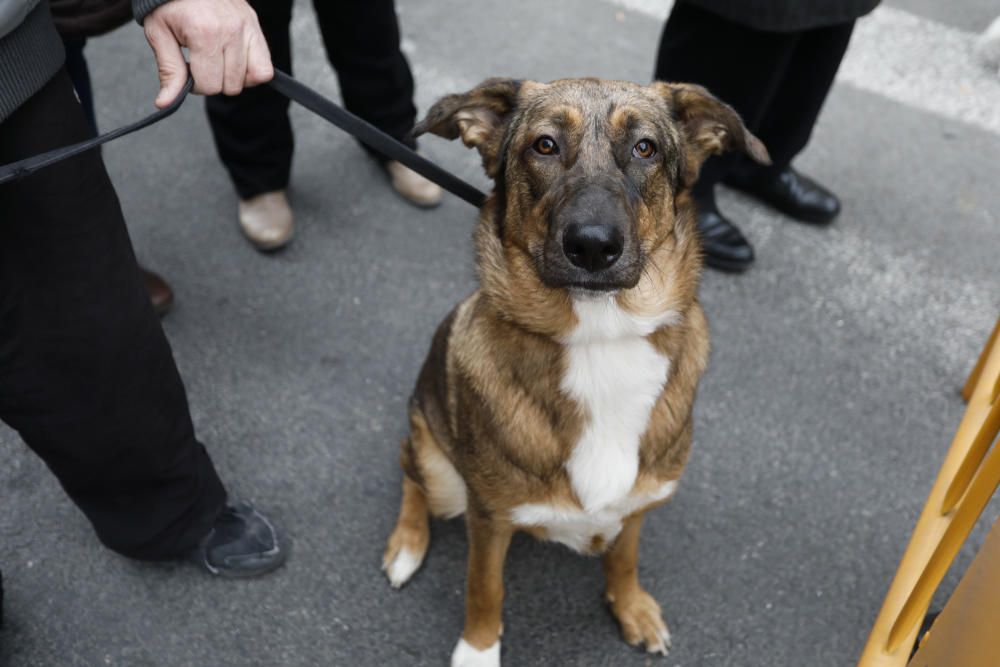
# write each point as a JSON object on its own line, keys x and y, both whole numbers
{"x": 491, "y": 427}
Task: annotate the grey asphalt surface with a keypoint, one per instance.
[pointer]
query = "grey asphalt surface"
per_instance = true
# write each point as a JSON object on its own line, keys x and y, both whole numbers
{"x": 973, "y": 15}
{"x": 828, "y": 406}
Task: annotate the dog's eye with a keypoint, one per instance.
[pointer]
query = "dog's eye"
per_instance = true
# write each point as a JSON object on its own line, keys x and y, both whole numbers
{"x": 645, "y": 149}
{"x": 546, "y": 146}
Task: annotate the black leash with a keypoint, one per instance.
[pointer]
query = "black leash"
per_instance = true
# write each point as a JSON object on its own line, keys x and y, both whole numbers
{"x": 21, "y": 168}
{"x": 298, "y": 92}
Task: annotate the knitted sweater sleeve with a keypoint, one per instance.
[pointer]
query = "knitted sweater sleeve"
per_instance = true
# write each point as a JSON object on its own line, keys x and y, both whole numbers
{"x": 140, "y": 8}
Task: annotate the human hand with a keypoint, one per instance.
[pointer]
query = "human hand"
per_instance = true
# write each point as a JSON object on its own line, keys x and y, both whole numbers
{"x": 227, "y": 48}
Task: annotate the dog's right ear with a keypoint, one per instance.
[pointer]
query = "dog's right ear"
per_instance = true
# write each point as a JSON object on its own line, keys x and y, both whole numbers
{"x": 477, "y": 116}
{"x": 709, "y": 126}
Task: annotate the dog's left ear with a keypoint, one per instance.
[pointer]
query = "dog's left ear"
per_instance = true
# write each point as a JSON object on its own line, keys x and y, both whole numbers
{"x": 709, "y": 125}
{"x": 477, "y": 116}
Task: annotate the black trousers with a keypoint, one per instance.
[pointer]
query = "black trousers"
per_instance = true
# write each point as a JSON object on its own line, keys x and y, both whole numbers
{"x": 86, "y": 374}
{"x": 252, "y": 132}
{"x": 777, "y": 81}
{"x": 79, "y": 74}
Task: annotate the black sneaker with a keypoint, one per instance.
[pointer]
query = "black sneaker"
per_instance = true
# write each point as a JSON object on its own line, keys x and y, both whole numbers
{"x": 242, "y": 543}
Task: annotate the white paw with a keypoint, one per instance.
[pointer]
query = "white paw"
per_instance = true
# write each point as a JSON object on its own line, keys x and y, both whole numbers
{"x": 466, "y": 655}
{"x": 662, "y": 646}
{"x": 402, "y": 567}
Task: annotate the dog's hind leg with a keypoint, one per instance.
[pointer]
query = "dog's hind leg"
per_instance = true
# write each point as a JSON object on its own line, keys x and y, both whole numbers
{"x": 407, "y": 546}
{"x": 431, "y": 486}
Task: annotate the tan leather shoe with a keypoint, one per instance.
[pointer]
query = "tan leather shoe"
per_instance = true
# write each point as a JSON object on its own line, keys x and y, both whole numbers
{"x": 267, "y": 220}
{"x": 160, "y": 294}
{"x": 413, "y": 187}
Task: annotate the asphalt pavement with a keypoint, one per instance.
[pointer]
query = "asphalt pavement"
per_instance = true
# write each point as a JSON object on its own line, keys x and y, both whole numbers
{"x": 831, "y": 396}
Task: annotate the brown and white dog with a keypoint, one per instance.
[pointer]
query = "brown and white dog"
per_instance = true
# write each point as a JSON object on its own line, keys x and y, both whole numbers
{"x": 557, "y": 398}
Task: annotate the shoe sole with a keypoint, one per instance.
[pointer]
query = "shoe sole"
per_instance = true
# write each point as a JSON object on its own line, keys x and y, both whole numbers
{"x": 426, "y": 206}
{"x": 267, "y": 247}
{"x": 282, "y": 557}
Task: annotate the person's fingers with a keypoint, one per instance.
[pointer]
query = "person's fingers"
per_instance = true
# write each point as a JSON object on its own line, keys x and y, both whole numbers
{"x": 170, "y": 65}
{"x": 259, "y": 67}
{"x": 235, "y": 60}
{"x": 207, "y": 68}
{"x": 226, "y": 47}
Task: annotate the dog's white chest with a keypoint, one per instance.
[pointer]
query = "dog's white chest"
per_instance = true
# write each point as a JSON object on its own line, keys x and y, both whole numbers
{"x": 578, "y": 528}
{"x": 616, "y": 377}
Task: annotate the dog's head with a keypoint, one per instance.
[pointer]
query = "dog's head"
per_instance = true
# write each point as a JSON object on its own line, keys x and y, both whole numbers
{"x": 589, "y": 173}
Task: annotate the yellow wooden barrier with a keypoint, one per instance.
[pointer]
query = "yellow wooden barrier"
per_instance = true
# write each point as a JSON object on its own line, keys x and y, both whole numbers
{"x": 967, "y": 480}
{"x": 965, "y": 634}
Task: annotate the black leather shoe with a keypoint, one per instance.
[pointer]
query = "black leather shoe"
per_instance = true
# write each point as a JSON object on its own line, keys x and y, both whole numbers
{"x": 725, "y": 246}
{"x": 792, "y": 193}
{"x": 242, "y": 543}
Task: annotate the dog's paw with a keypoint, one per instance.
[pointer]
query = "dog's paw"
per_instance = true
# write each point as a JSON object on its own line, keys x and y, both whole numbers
{"x": 641, "y": 621}
{"x": 466, "y": 655}
{"x": 404, "y": 554}
{"x": 401, "y": 567}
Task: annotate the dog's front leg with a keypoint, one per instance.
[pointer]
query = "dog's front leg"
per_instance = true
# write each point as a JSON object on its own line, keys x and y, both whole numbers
{"x": 637, "y": 611}
{"x": 480, "y": 642}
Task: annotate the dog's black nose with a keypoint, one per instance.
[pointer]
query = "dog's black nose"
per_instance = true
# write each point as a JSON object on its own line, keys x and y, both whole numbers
{"x": 593, "y": 247}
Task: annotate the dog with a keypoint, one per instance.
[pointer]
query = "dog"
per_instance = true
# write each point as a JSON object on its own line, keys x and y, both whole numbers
{"x": 557, "y": 398}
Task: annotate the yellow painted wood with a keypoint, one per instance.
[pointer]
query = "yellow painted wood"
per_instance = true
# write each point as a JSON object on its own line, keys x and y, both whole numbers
{"x": 970, "y": 383}
{"x": 966, "y": 514}
{"x": 933, "y": 525}
{"x": 965, "y": 634}
{"x": 974, "y": 459}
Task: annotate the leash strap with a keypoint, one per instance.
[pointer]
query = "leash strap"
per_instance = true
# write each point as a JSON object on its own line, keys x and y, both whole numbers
{"x": 294, "y": 90}
{"x": 374, "y": 137}
{"x": 21, "y": 168}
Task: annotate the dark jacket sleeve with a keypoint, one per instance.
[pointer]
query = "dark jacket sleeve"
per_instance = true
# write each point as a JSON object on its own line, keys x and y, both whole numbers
{"x": 89, "y": 18}
{"x": 140, "y": 8}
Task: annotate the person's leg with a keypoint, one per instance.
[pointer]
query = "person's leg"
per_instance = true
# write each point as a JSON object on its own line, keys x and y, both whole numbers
{"x": 252, "y": 132}
{"x": 362, "y": 43}
{"x": 86, "y": 374}
{"x": 739, "y": 65}
{"x": 787, "y": 123}
{"x": 79, "y": 74}
{"x": 253, "y": 136}
{"x": 159, "y": 291}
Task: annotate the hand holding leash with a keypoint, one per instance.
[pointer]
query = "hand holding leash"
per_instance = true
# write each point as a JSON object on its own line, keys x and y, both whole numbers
{"x": 227, "y": 49}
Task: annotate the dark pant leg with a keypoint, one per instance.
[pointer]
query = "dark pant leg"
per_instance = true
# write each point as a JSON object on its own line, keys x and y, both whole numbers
{"x": 253, "y": 134}
{"x": 79, "y": 74}
{"x": 362, "y": 43}
{"x": 86, "y": 375}
{"x": 739, "y": 65}
{"x": 787, "y": 122}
